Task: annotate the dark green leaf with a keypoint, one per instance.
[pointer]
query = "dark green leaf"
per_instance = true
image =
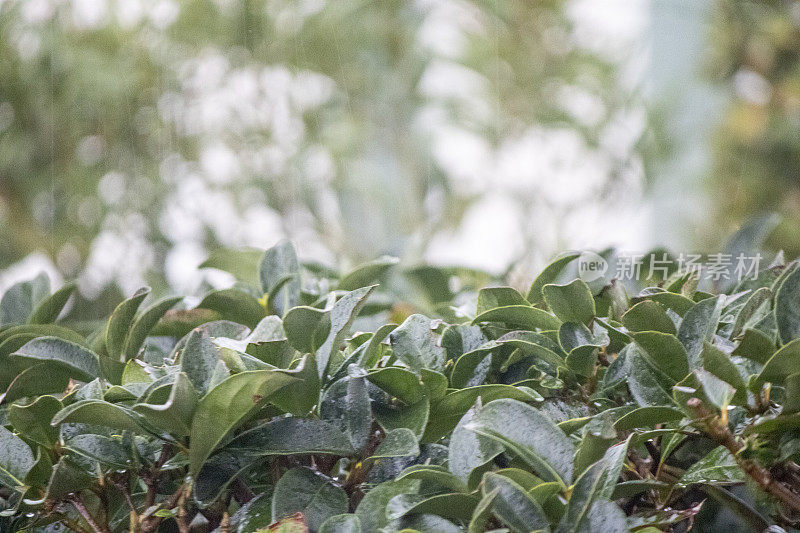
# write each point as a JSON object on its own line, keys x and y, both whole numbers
{"x": 717, "y": 467}
{"x": 120, "y": 322}
{"x": 279, "y": 262}
{"x": 698, "y": 326}
{"x": 302, "y": 490}
{"x": 415, "y": 343}
{"x": 226, "y": 405}
{"x": 572, "y": 302}
{"x": 400, "y": 442}
{"x": 513, "y": 506}
{"x": 144, "y": 323}
{"x": 81, "y": 362}
{"x": 16, "y": 459}
{"x": 367, "y": 273}
{"x": 49, "y": 309}
{"x": 549, "y": 275}
{"x": 528, "y": 433}
{"x": 343, "y": 313}
{"x": 33, "y": 420}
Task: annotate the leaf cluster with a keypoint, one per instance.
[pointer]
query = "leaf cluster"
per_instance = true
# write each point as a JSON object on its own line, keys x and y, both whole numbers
{"x": 303, "y": 399}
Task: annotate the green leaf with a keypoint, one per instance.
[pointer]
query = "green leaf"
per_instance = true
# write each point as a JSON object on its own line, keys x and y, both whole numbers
{"x": 342, "y": 523}
{"x": 400, "y": 442}
{"x": 371, "y": 511}
{"x": 756, "y": 346}
{"x": 677, "y": 302}
{"x": 469, "y": 450}
{"x": 648, "y": 316}
{"x": 649, "y": 385}
{"x": 784, "y": 362}
{"x": 120, "y": 322}
{"x": 400, "y": 383}
{"x": 647, "y": 417}
{"x": 367, "y": 273}
{"x": 16, "y": 459}
{"x": 49, "y": 309}
{"x": 199, "y": 359}
{"x": 596, "y": 483}
{"x": 106, "y": 450}
{"x": 100, "y": 413}
{"x": 33, "y": 420}
{"x": 446, "y": 413}
{"x": 605, "y": 516}
{"x": 301, "y": 490}
{"x": 523, "y": 316}
{"x": 572, "y": 302}
{"x": 699, "y": 326}
{"x": 752, "y": 312}
{"x": 598, "y": 435}
{"x": 414, "y": 417}
{"x": 304, "y": 326}
{"x": 473, "y": 367}
{"x": 513, "y": 506}
{"x": 174, "y": 415}
{"x": 44, "y": 378}
{"x": 454, "y": 506}
{"x": 415, "y": 343}
{"x": 343, "y": 313}
{"x": 717, "y": 467}
{"x": 20, "y": 300}
{"x": 243, "y": 263}
{"x": 787, "y": 308}
{"x": 719, "y": 363}
{"x": 358, "y": 412}
{"x": 482, "y": 512}
{"x": 493, "y": 297}
{"x": 549, "y": 275}
{"x": 434, "y": 474}
{"x": 225, "y": 406}
{"x": 234, "y": 305}
{"x": 529, "y": 434}
{"x": 80, "y": 362}
{"x": 279, "y": 262}
{"x": 373, "y": 351}
{"x": 288, "y": 436}
{"x": 144, "y": 323}
{"x": 257, "y": 513}
{"x": 744, "y": 510}
{"x": 665, "y": 352}
{"x": 67, "y": 478}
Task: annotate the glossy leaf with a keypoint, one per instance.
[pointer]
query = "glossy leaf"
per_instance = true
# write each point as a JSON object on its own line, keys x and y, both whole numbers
{"x": 415, "y": 343}
{"x": 226, "y": 405}
{"x": 528, "y": 433}
{"x": 80, "y": 362}
{"x": 278, "y": 263}
{"x": 572, "y": 302}
{"x": 301, "y": 490}
{"x": 342, "y": 315}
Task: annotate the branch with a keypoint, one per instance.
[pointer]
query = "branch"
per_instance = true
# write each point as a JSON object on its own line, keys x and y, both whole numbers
{"x": 78, "y": 504}
{"x": 719, "y": 433}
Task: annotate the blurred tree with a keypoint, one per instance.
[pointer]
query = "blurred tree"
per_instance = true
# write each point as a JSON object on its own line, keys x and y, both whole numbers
{"x": 757, "y": 54}
{"x": 136, "y": 135}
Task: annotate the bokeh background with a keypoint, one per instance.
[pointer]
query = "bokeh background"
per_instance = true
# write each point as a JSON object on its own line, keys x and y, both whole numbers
{"x": 136, "y": 136}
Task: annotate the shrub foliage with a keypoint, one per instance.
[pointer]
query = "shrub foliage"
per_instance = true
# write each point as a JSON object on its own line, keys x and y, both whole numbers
{"x": 304, "y": 400}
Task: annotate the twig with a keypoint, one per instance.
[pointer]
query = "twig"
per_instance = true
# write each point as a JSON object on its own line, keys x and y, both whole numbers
{"x": 78, "y": 505}
{"x": 719, "y": 433}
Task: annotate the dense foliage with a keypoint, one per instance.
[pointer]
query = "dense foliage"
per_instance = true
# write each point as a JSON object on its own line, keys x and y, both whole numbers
{"x": 572, "y": 407}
